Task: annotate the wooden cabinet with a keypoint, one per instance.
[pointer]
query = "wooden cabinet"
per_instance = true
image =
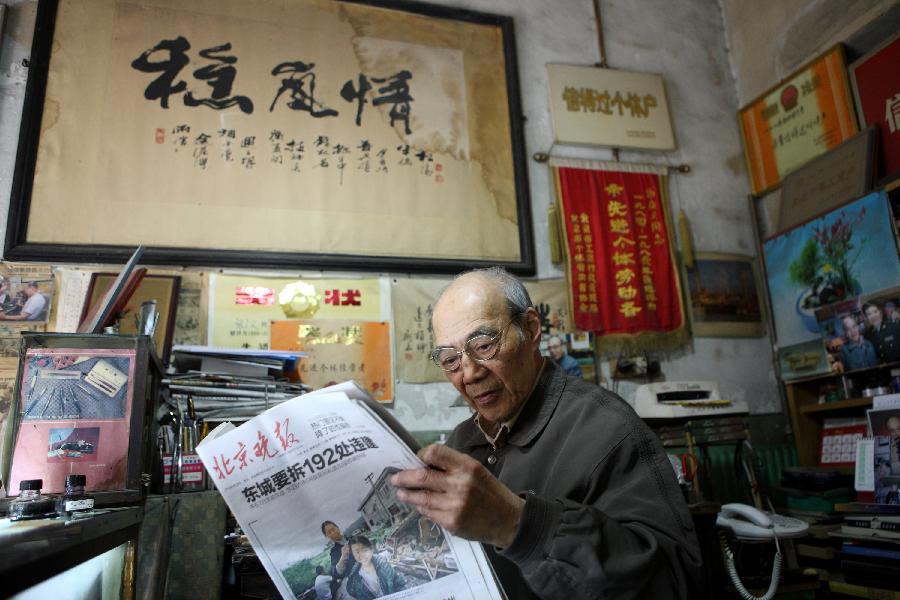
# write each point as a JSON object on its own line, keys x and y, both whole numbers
{"x": 808, "y": 410}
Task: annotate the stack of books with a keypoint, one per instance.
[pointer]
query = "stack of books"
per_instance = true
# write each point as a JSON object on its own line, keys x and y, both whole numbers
{"x": 870, "y": 549}
{"x": 230, "y": 384}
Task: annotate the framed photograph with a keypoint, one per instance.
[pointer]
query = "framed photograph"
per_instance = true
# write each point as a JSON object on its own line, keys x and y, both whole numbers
{"x": 25, "y": 301}
{"x": 161, "y": 288}
{"x": 829, "y": 180}
{"x": 724, "y": 296}
{"x": 862, "y": 332}
{"x": 807, "y": 359}
{"x": 802, "y": 117}
{"x": 81, "y": 407}
{"x": 875, "y": 91}
{"x": 833, "y": 258}
{"x": 348, "y": 134}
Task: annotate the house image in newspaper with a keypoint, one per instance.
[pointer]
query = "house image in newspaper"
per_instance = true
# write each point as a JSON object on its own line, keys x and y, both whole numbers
{"x": 381, "y": 507}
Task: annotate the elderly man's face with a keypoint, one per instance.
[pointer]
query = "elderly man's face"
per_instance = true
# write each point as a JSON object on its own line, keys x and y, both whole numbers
{"x": 497, "y": 387}
{"x": 851, "y": 328}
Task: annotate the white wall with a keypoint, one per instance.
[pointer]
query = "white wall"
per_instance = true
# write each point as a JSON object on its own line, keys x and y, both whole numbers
{"x": 684, "y": 41}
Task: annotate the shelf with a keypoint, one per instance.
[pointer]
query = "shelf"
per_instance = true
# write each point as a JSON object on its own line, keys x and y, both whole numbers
{"x": 834, "y": 406}
{"x": 833, "y": 375}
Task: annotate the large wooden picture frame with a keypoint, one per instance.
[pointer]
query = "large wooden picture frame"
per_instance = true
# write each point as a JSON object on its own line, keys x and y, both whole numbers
{"x": 357, "y": 134}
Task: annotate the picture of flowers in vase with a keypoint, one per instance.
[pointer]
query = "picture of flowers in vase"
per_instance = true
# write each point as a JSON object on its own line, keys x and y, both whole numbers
{"x": 832, "y": 258}
{"x": 827, "y": 262}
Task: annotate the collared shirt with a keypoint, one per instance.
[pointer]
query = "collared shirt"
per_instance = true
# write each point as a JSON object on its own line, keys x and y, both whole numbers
{"x": 499, "y": 439}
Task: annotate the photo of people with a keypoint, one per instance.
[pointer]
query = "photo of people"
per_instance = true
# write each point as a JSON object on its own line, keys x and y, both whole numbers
{"x": 862, "y": 332}
{"x": 25, "y": 301}
{"x": 372, "y": 546}
{"x": 884, "y": 333}
{"x": 887, "y": 469}
{"x": 571, "y": 351}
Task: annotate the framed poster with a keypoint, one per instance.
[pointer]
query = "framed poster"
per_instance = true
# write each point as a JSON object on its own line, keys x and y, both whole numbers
{"x": 161, "y": 288}
{"x": 877, "y": 96}
{"x": 75, "y": 410}
{"x": 832, "y": 258}
{"x": 800, "y": 118}
{"x": 353, "y": 134}
{"x": 724, "y": 296}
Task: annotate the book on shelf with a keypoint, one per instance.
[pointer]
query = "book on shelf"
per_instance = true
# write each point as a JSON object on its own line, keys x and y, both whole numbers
{"x": 327, "y": 457}
{"x": 876, "y": 527}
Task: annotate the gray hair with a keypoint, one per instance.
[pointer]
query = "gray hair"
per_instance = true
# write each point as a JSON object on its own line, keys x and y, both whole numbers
{"x": 517, "y": 298}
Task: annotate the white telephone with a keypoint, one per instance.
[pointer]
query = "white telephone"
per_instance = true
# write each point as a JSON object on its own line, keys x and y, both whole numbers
{"x": 749, "y": 523}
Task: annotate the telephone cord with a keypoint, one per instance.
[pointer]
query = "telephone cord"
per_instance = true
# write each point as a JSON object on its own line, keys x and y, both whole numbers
{"x": 728, "y": 555}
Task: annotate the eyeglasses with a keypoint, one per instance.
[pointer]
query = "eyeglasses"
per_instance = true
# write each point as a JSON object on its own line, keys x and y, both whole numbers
{"x": 480, "y": 348}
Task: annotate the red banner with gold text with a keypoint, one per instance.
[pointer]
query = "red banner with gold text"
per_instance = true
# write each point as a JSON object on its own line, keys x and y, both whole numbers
{"x": 620, "y": 268}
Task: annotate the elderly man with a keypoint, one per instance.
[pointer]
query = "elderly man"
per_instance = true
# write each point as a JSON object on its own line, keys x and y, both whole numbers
{"x": 572, "y": 495}
{"x": 561, "y": 357}
{"x": 856, "y": 352}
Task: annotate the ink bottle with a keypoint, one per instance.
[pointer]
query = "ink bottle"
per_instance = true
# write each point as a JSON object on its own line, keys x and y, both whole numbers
{"x": 74, "y": 503}
{"x": 30, "y": 503}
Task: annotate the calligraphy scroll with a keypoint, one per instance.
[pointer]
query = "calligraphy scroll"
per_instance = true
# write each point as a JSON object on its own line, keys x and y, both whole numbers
{"x": 262, "y": 133}
{"x": 623, "y": 282}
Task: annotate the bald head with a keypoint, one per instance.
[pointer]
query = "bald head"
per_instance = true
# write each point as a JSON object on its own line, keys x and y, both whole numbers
{"x": 497, "y": 279}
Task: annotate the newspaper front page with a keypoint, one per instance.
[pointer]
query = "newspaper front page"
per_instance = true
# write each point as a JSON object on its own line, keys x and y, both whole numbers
{"x": 326, "y": 458}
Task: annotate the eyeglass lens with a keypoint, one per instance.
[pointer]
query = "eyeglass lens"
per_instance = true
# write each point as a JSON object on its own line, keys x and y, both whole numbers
{"x": 480, "y": 348}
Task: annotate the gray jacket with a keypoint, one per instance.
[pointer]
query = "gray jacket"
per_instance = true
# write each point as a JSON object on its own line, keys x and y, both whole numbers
{"x": 604, "y": 517}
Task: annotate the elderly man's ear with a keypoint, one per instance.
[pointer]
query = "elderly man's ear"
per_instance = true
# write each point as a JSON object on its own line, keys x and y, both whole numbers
{"x": 532, "y": 325}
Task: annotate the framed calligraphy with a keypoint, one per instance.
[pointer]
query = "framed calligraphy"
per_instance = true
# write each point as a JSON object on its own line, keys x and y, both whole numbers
{"x": 802, "y": 117}
{"x": 348, "y": 135}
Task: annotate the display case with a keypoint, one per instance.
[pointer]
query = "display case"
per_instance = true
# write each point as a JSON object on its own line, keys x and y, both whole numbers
{"x": 84, "y": 404}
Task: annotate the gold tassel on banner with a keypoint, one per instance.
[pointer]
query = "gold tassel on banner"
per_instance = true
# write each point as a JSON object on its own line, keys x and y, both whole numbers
{"x": 687, "y": 243}
{"x": 554, "y": 234}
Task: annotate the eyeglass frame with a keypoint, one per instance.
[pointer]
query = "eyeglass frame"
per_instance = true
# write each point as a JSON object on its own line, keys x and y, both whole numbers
{"x": 465, "y": 348}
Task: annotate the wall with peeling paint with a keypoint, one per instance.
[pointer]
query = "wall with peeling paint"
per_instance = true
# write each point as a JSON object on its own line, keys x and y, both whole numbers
{"x": 767, "y": 41}
{"x": 685, "y": 42}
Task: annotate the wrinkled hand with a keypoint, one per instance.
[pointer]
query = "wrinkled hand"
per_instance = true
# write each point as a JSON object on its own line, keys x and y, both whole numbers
{"x": 462, "y": 496}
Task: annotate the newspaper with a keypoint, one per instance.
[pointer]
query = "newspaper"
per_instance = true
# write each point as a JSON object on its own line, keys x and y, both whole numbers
{"x": 327, "y": 456}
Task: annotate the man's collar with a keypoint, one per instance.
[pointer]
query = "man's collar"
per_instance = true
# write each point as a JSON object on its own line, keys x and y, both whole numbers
{"x": 532, "y": 416}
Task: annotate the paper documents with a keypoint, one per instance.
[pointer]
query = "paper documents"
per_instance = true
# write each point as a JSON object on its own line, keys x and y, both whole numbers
{"x": 326, "y": 457}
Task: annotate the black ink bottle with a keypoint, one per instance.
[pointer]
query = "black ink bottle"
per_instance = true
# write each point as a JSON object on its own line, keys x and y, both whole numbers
{"x": 74, "y": 503}
{"x": 30, "y": 503}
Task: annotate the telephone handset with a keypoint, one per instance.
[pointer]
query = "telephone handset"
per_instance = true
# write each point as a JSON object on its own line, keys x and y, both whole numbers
{"x": 753, "y": 525}
{"x": 750, "y": 523}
